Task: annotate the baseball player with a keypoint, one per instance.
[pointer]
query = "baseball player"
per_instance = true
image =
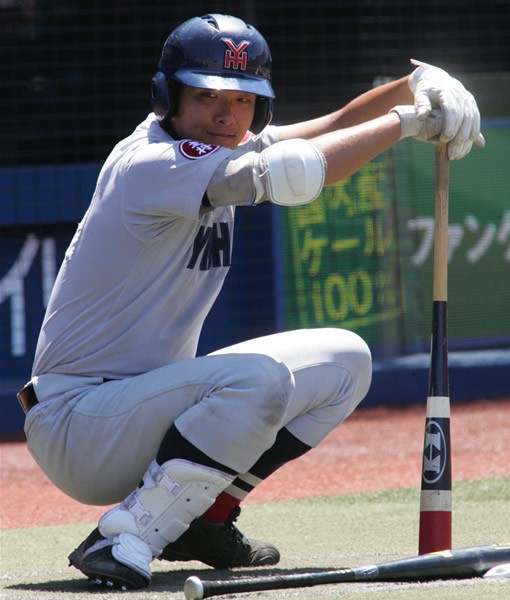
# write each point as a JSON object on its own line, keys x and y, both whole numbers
{"x": 119, "y": 407}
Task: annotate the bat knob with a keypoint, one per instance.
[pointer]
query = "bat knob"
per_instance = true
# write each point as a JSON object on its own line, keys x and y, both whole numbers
{"x": 193, "y": 588}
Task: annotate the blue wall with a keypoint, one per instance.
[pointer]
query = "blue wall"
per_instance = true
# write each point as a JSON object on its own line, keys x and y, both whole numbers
{"x": 40, "y": 208}
{"x": 39, "y": 212}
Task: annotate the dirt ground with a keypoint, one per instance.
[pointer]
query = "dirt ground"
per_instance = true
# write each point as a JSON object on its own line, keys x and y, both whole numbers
{"x": 375, "y": 449}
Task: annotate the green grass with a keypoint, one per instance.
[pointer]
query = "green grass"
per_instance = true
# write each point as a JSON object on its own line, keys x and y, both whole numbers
{"x": 332, "y": 532}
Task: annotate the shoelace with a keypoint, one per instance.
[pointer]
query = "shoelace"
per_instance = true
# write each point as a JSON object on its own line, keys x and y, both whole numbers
{"x": 232, "y": 529}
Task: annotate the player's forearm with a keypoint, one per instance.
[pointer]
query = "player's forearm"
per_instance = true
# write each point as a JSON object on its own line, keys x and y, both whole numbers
{"x": 346, "y": 151}
{"x": 374, "y": 103}
{"x": 370, "y": 105}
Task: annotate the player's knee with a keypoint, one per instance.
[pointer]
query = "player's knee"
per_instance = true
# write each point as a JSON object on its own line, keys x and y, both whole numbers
{"x": 349, "y": 347}
{"x": 360, "y": 366}
{"x": 275, "y": 384}
{"x": 360, "y": 356}
{"x": 352, "y": 353}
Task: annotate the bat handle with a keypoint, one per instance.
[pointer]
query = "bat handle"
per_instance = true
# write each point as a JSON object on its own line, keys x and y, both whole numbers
{"x": 440, "y": 283}
{"x": 196, "y": 589}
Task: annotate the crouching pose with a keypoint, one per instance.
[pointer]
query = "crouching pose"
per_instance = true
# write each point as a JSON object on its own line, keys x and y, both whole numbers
{"x": 119, "y": 407}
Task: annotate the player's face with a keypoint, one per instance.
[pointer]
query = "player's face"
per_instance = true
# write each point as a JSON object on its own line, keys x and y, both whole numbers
{"x": 219, "y": 117}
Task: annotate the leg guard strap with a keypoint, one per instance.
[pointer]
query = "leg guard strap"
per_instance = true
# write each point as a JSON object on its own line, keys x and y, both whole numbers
{"x": 171, "y": 497}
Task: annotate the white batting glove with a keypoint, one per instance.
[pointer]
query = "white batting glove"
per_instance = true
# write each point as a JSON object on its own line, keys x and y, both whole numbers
{"x": 434, "y": 88}
{"x": 427, "y": 129}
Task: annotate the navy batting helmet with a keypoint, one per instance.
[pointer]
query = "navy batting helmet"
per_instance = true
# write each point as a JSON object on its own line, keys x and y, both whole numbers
{"x": 215, "y": 52}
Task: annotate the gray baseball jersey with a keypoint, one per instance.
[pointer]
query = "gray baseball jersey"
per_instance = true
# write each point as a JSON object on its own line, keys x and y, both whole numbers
{"x": 162, "y": 259}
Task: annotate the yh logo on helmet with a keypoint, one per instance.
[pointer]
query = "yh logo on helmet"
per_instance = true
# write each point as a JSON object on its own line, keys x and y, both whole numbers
{"x": 434, "y": 453}
{"x": 236, "y": 57}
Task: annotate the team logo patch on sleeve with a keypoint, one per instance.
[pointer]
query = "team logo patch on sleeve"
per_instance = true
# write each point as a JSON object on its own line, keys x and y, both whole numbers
{"x": 193, "y": 150}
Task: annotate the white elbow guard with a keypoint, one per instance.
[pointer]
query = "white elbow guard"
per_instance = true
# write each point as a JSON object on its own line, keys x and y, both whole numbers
{"x": 289, "y": 173}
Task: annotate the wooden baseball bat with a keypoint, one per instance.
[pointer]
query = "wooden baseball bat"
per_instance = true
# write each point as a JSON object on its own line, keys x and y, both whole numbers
{"x": 435, "y": 530}
{"x": 451, "y": 564}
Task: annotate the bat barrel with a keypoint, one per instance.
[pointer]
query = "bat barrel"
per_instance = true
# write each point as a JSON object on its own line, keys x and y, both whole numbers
{"x": 435, "y": 527}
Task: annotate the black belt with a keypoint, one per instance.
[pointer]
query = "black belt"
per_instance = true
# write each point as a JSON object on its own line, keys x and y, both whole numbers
{"x": 27, "y": 397}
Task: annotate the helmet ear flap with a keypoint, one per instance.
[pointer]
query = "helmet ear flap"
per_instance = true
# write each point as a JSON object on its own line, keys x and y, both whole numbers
{"x": 263, "y": 114}
{"x": 160, "y": 96}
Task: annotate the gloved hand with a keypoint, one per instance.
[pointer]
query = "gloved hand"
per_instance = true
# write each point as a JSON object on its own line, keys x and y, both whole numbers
{"x": 434, "y": 88}
{"x": 427, "y": 129}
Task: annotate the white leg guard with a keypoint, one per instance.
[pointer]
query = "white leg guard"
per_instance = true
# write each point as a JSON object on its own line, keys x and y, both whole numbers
{"x": 171, "y": 497}
{"x": 133, "y": 552}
